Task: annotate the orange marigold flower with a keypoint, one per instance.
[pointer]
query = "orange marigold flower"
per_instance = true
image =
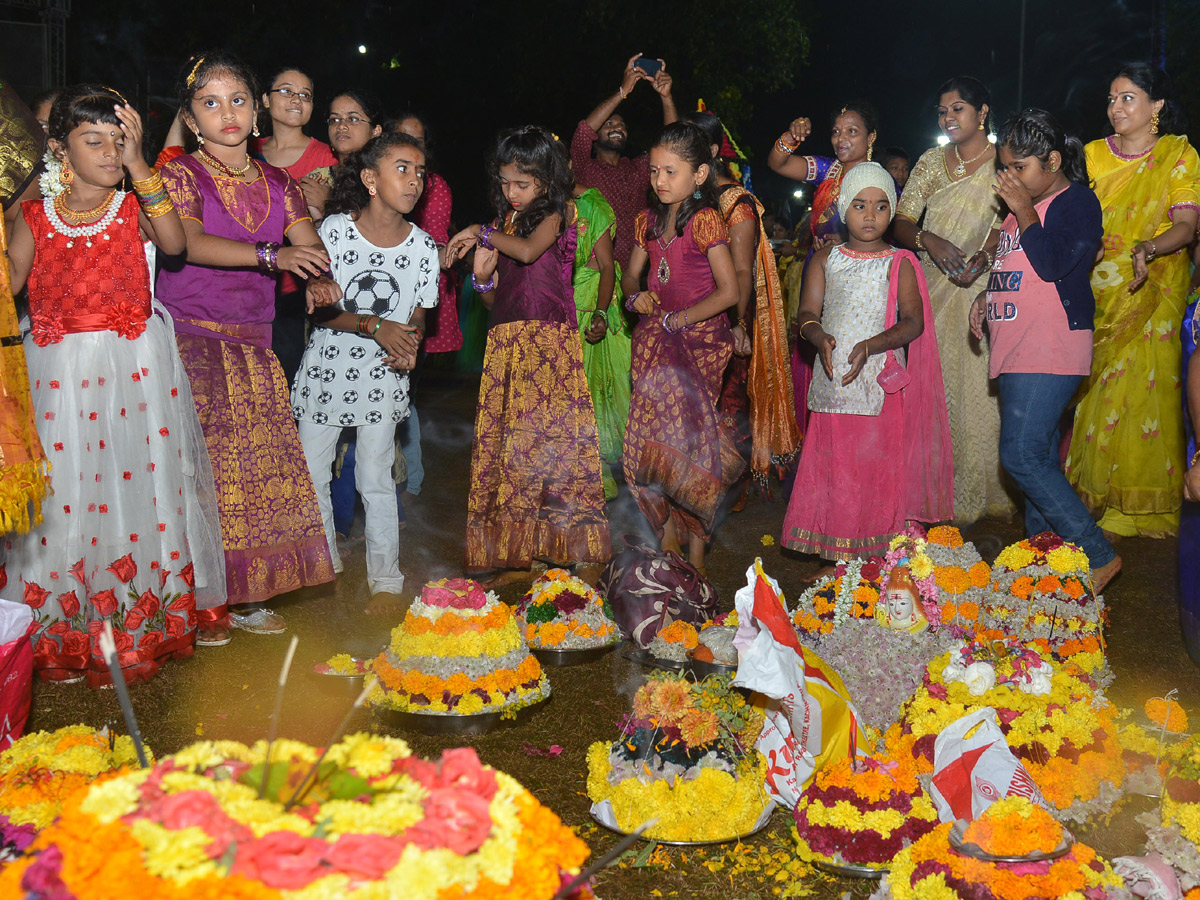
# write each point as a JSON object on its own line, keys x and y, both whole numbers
{"x": 680, "y": 632}
{"x": 1073, "y": 588}
{"x": 1167, "y": 713}
{"x": 1048, "y": 584}
{"x": 945, "y": 535}
{"x": 949, "y": 612}
{"x": 968, "y": 611}
{"x": 951, "y": 579}
{"x": 1022, "y": 587}
{"x": 979, "y": 574}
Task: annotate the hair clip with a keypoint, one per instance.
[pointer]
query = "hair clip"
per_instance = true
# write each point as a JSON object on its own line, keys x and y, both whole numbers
{"x": 191, "y": 79}
{"x": 119, "y": 95}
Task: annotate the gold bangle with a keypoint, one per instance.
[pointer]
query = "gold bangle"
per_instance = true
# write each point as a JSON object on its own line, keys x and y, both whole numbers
{"x": 1195, "y": 456}
{"x": 805, "y": 324}
{"x": 150, "y": 185}
{"x": 158, "y": 210}
{"x": 917, "y": 240}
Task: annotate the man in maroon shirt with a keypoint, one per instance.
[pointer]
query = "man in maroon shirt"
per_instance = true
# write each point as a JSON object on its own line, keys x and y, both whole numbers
{"x": 622, "y": 180}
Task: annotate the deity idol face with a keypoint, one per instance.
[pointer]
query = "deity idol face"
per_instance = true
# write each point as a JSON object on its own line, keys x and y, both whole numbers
{"x": 901, "y": 607}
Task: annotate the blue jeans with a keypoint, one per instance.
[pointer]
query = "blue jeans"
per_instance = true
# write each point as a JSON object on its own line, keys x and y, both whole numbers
{"x": 1031, "y": 406}
{"x": 409, "y": 432}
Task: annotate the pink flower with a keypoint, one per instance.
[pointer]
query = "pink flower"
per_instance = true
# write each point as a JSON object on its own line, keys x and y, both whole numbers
{"x": 419, "y": 770}
{"x": 282, "y": 859}
{"x": 462, "y": 771}
{"x": 456, "y": 820}
{"x": 365, "y": 856}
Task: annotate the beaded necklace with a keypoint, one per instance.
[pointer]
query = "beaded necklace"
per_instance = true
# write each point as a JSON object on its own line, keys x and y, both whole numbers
{"x": 100, "y": 226}
{"x": 224, "y": 169}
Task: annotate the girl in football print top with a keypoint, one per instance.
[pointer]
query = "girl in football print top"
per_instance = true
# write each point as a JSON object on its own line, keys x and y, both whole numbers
{"x": 369, "y": 326}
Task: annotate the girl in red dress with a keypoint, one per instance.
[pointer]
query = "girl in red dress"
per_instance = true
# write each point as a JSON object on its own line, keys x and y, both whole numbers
{"x": 131, "y": 533}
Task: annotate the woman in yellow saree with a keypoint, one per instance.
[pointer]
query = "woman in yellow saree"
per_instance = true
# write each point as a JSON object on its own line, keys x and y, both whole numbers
{"x": 1127, "y": 451}
{"x": 951, "y": 187}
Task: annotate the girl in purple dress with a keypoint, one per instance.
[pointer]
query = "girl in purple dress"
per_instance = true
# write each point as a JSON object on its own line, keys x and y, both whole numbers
{"x": 237, "y": 212}
{"x": 680, "y": 458}
{"x": 536, "y": 489}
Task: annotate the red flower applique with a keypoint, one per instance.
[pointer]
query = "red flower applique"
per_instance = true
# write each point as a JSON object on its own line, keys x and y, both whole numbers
{"x": 35, "y": 595}
{"x": 124, "y": 568}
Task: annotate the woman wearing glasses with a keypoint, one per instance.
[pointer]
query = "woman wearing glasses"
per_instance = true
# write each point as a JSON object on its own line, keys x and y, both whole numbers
{"x": 289, "y": 102}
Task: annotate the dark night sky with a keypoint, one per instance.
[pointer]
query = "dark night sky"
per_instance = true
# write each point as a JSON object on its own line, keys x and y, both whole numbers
{"x": 476, "y": 67}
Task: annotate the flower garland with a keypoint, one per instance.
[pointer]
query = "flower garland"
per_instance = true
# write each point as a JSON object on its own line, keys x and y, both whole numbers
{"x": 1067, "y": 738}
{"x": 852, "y": 593}
{"x": 378, "y": 822}
{"x": 562, "y": 612}
{"x": 687, "y": 758}
{"x": 50, "y": 181}
{"x": 931, "y": 870}
{"x": 41, "y": 770}
{"x": 862, "y": 812}
{"x": 1041, "y": 591}
{"x": 499, "y": 689}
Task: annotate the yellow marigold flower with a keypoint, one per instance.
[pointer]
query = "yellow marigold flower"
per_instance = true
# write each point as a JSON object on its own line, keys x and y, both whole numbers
{"x": 1067, "y": 559}
{"x": 767, "y": 541}
{"x": 1015, "y": 556}
{"x": 921, "y": 567}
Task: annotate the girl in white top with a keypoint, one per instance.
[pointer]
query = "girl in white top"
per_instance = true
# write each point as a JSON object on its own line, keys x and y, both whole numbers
{"x": 368, "y": 329}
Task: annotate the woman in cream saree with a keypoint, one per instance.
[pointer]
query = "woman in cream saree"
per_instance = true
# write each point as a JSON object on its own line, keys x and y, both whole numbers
{"x": 966, "y": 213}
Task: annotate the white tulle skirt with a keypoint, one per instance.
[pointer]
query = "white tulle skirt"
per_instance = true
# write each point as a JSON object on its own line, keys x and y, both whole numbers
{"x": 131, "y": 532}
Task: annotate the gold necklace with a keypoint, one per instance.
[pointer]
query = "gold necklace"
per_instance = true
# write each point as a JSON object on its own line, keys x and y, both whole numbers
{"x": 961, "y": 169}
{"x": 81, "y": 216}
{"x": 222, "y": 167}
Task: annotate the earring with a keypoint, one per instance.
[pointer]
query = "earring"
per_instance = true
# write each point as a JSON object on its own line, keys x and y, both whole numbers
{"x": 199, "y": 139}
{"x": 371, "y": 190}
{"x": 66, "y": 176}
{"x": 255, "y": 130}
{"x": 981, "y": 121}
{"x": 696, "y": 195}
{"x": 1154, "y": 123}
{"x": 870, "y": 150}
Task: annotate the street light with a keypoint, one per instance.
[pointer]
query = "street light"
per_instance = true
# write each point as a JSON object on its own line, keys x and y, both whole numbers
{"x": 362, "y": 48}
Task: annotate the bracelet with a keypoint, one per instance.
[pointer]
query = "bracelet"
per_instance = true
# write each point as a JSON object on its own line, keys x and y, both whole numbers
{"x": 267, "y": 254}
{"x": 667, "y": 328}
{"x": 1153, "y": 251}
{"x": 918, "y": 243}
{"x": 485, "y": 288}
{"x": 1195, "y": 456}
{"x": 149, "y": 185}
{"x": 631, "y": 299}
{"x": 621, "y": 91}
{"x": 361, "y": 325}
{"x": 805, "y": 324}
{"x": 786, "y": 149}
{"x": 484, "y": 238}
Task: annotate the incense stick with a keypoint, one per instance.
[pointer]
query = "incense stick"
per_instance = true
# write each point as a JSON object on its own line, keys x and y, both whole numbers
{"x": 108, "y": 647}
{"x": 283, "y": 677}
{"x": 303, "y": 787}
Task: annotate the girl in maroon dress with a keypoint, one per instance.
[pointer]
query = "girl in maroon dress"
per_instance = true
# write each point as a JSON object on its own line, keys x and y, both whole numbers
{"x": 536, "y": 490}
{"x": 680, "y": 457}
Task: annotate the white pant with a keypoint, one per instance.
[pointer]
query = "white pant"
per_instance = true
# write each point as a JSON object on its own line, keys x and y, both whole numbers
{"x": 374, "y": 455}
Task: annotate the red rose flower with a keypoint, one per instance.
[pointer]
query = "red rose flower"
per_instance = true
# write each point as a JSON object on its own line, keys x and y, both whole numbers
{"x": 456, "y": 820}
{"x": 188, "y": 575}
{"x": 75, "y": 643}
{"x": 367, "y": 857}
{"x": 3, "y": 577}
{"x": 58, "y": 628}
{"x": 123, "y": 640}
{"x": 176, "y": 625}
{"x": 45, "y": 647}
{"x": 35, "y": 595}
{"x": 77, "y": 571}
{"x": 419, "y": 770}
{"x": 150, "y": 640}
{"x": 282, "y": 859}
{"x": 124, "y": 568}
{"x": 105, "y": 602}
{"x": 162, "y": 575}
{"x": 462, "y": 771}
{"x": 69, "y": 603}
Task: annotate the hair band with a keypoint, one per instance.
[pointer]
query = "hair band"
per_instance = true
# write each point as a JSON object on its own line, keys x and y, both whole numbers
{"x": 191, "y": 79}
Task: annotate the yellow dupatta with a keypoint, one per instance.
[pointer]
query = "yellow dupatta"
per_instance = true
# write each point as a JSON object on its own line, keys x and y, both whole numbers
{"x": 1135, "y": 196}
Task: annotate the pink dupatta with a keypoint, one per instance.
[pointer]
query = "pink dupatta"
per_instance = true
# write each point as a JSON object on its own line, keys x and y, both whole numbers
{"x": 928, "y": 453}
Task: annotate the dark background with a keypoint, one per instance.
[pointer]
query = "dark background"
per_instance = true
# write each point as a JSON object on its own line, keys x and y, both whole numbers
{"x": 475, "y": 67}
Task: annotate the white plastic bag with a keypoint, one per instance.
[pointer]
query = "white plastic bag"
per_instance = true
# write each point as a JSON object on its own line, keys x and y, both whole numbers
{"x": 809, "y": 717}
{"x": 15, "y": 619}
{"x": 973, "y": 767}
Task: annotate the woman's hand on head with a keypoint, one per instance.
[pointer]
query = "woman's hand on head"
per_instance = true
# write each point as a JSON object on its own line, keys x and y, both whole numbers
{"x": 647, "y": 303}
{"x": 131, "y": 151}
{"x": 307, "y": 262}
{"x": 323, "y": 291}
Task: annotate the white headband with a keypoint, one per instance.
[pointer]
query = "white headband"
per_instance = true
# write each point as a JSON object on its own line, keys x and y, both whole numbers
{"x": 866, "y": 175}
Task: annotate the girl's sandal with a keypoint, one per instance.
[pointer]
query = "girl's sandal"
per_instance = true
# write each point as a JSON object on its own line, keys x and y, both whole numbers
{"x": 213, "y": 637}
